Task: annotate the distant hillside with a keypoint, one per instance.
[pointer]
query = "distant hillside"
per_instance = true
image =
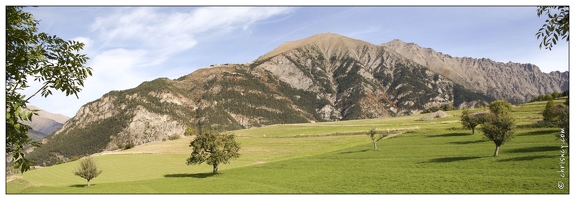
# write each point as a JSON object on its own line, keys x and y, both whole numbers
{"x": 514, "y": 82}
{"x": 326, "y": 77}
{"x": 44, "y": 123}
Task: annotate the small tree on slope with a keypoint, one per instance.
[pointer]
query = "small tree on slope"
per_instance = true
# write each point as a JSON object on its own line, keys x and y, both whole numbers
{"x": 88, "y": 170}
{"x": 499, "y": 125}
{"x": 213, "y": 148}
{"x": 372, "y": 134}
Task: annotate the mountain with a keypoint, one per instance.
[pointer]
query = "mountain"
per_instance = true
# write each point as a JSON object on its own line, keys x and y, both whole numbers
{"x": 514, "y": 82}
{"x": 325, "y": 77}
{"x": 44, "y": 123}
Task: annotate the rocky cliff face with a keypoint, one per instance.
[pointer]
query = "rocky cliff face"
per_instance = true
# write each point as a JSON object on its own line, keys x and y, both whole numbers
{"x": 358, "y": 79}
{"x": 325, "y": 77}
{"x": 514, "y": 82}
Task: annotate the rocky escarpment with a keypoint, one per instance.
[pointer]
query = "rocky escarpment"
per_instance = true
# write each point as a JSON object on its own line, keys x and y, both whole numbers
{"x": 514, "y": 82}
{"x": 359, "y": 79}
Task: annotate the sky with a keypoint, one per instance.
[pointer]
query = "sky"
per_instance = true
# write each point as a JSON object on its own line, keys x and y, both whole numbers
{"x": 130, "y": 44}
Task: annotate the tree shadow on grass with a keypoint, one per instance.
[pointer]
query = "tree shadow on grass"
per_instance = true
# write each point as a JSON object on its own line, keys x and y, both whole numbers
{"x": 198, "y": 175}
{"x": 81, "y": 185}
{"x": 534, "y": 149}
{"x": 453, "y": 159}
{"x": 546, "y": 132}
{"x": 450, "y": 135}
{"x": 524, "y": 158}
{"x": 469, "y": 142}
{"x": 358, "y": 151}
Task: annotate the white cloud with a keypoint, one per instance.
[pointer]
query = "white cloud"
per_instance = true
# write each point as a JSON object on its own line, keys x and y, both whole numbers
{"x": 114, "y": 63}
{"x": 116, "y": 69}
{"x": 172, "y": 32}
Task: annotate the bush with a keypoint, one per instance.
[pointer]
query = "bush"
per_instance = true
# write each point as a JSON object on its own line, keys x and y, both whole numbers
{"x": 75, "y": 158}
{"x": 550, "y": 112}
{"x": 174, "y": 137}
{"x": 190, "y": 131}
{"x": 448, "y": 107}
{"x": 431, "y": 109}
{"x": 444, "y": 107}
{"x": 129, "y": 145}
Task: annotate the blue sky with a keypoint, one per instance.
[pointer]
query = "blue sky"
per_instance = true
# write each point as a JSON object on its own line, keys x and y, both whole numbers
{"x": 131, "y": 44}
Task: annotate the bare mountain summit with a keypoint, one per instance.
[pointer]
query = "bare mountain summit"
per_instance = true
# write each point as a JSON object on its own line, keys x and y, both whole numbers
{"x": 514, "y": 82}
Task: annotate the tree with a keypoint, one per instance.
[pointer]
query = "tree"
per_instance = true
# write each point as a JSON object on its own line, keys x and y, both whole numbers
{"x": 559, "y": 116}
{"x": 565, "y": 93}
{"x": 500, "y": 106}
{"x": 190, "y": 131}
{"x": 372, "y": 134}
{"x": 214, "y": 148}
{"x": 87, "y": 169}
{"x": 563, "y": 123}
{"x": 47, "y": 59}
{"x": 499, "y": 125}
{"x": 470, "y": 121}
{"x": 555, "y": 94}
{"x": 550, "y": 111}
{"x": 557, "y": 25}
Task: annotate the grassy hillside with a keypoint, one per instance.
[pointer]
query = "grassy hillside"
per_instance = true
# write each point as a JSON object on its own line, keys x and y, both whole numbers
{"x": 327, "y": 158}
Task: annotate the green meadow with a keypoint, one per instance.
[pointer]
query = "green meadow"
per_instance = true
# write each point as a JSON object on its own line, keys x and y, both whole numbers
{"x": 428, "y": 157}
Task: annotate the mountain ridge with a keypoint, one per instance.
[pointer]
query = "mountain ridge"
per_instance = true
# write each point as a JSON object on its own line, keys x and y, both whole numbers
{"x": 44, "y": 123}
{"x": 484, "y": 74}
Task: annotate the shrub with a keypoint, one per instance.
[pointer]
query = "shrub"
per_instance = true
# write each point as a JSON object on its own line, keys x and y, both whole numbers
{"x": 129, "y": 145}
{"x": 75, "y": 158}
{"x": 174, "y": 137}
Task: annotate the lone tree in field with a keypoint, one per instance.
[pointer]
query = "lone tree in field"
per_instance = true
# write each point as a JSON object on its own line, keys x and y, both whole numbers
{"x": 372, "y": 134}
{"x": 470, "y": 121}
{"x": 214, "y": 148}
{"x": 87, "y": 170}
{"x": 499, "y": 124}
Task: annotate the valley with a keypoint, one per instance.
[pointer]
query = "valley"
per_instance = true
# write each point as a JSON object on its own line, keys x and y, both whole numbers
{"x": 439, "y": 157}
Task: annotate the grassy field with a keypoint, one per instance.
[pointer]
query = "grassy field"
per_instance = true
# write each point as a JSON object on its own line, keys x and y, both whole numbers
{"x": 432, "y": 157}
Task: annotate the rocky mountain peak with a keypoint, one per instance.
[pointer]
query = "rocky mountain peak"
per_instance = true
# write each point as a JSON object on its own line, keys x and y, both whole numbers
{"x": 330, "y": 43}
